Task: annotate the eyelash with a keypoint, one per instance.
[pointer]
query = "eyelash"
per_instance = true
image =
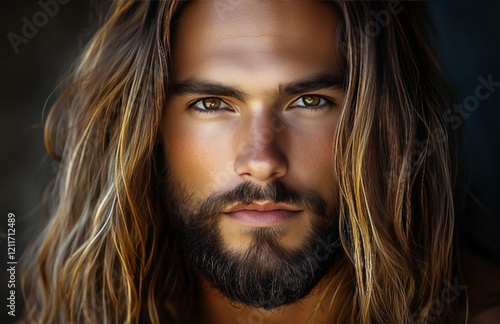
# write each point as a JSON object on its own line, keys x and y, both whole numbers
{"x": 323, "y": 100}
{"x": 209, "y": 111}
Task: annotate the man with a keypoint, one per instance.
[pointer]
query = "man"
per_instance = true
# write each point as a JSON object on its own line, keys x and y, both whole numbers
{"x": 252, "y": 162}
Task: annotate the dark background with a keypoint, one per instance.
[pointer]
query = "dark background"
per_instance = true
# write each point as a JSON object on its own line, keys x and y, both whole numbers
{"x": 468, "y": 34}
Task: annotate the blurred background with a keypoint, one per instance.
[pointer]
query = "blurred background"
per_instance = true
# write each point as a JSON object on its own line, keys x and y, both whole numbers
{"x": 33, "y": 64}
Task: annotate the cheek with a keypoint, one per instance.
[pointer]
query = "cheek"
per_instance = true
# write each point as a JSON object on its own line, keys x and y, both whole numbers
{"x": 313, "y": 155}
{"x": 198, "y": 156}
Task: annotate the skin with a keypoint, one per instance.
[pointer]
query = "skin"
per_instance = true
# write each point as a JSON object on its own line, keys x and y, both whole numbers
{"x": 259, "y": 134}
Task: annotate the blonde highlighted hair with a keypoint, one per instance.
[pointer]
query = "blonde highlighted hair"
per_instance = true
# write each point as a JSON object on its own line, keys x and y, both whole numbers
{"x": 109, "y": 252}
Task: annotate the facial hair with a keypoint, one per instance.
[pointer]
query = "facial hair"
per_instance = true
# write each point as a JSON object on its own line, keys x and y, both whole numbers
{"x": 265, "y": 275}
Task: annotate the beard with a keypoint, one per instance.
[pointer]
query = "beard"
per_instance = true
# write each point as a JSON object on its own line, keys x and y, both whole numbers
{"x": 265, "y": 274}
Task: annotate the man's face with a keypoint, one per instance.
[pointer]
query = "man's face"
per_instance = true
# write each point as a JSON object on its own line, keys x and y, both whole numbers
{"x": 249, "y": 132}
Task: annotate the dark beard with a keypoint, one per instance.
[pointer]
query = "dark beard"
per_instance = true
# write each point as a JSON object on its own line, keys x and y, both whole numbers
{"x": 266, "y": 275}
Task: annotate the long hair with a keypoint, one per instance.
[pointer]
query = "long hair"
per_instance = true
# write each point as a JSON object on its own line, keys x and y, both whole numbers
{"x": 109, "y": 252}
{"x": 397, "y": 167}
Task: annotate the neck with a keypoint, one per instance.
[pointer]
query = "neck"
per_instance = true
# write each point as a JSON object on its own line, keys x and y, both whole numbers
{"x": 217, "y": 309}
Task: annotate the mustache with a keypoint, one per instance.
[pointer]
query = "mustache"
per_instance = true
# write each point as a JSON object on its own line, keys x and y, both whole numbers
{"x": 248, "y": 192}
{"x": 267, "y": 274}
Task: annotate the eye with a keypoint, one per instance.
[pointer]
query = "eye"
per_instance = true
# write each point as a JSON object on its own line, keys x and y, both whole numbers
{"x": 210, "y": 105}
{"x": 310, "y": 102}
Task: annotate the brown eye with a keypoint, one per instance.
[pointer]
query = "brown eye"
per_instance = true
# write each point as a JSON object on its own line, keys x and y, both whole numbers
{"x": 211, "y": 103}
{"x": 311, "y": 100}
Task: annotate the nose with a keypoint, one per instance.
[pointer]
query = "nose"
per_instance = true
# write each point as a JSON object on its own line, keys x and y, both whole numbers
{"x": 260, "y": 157}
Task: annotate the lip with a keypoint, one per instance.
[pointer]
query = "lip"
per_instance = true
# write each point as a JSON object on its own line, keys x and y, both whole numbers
{"x": 262, "y": 214}
{"x": 262, "y": 206}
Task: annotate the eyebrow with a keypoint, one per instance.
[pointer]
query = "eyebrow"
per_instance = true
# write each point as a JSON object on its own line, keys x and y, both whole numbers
{"x": 319, "y": 82}
{"x": 205, "y": 87}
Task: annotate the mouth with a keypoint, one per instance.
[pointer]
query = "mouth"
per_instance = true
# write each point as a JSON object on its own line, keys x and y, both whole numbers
{"x": 262, "y": 213}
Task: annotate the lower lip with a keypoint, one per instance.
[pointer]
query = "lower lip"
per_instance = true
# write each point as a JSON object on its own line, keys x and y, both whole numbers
{"x": 257, "y": 218}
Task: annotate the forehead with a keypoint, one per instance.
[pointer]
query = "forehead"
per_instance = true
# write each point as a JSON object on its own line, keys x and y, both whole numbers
{"x": 255, "y": 36}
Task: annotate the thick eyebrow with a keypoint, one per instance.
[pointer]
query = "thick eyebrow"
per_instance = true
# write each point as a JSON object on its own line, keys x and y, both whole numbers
{"x": 196, "y": 86}
{"x": 318, "y": 82}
